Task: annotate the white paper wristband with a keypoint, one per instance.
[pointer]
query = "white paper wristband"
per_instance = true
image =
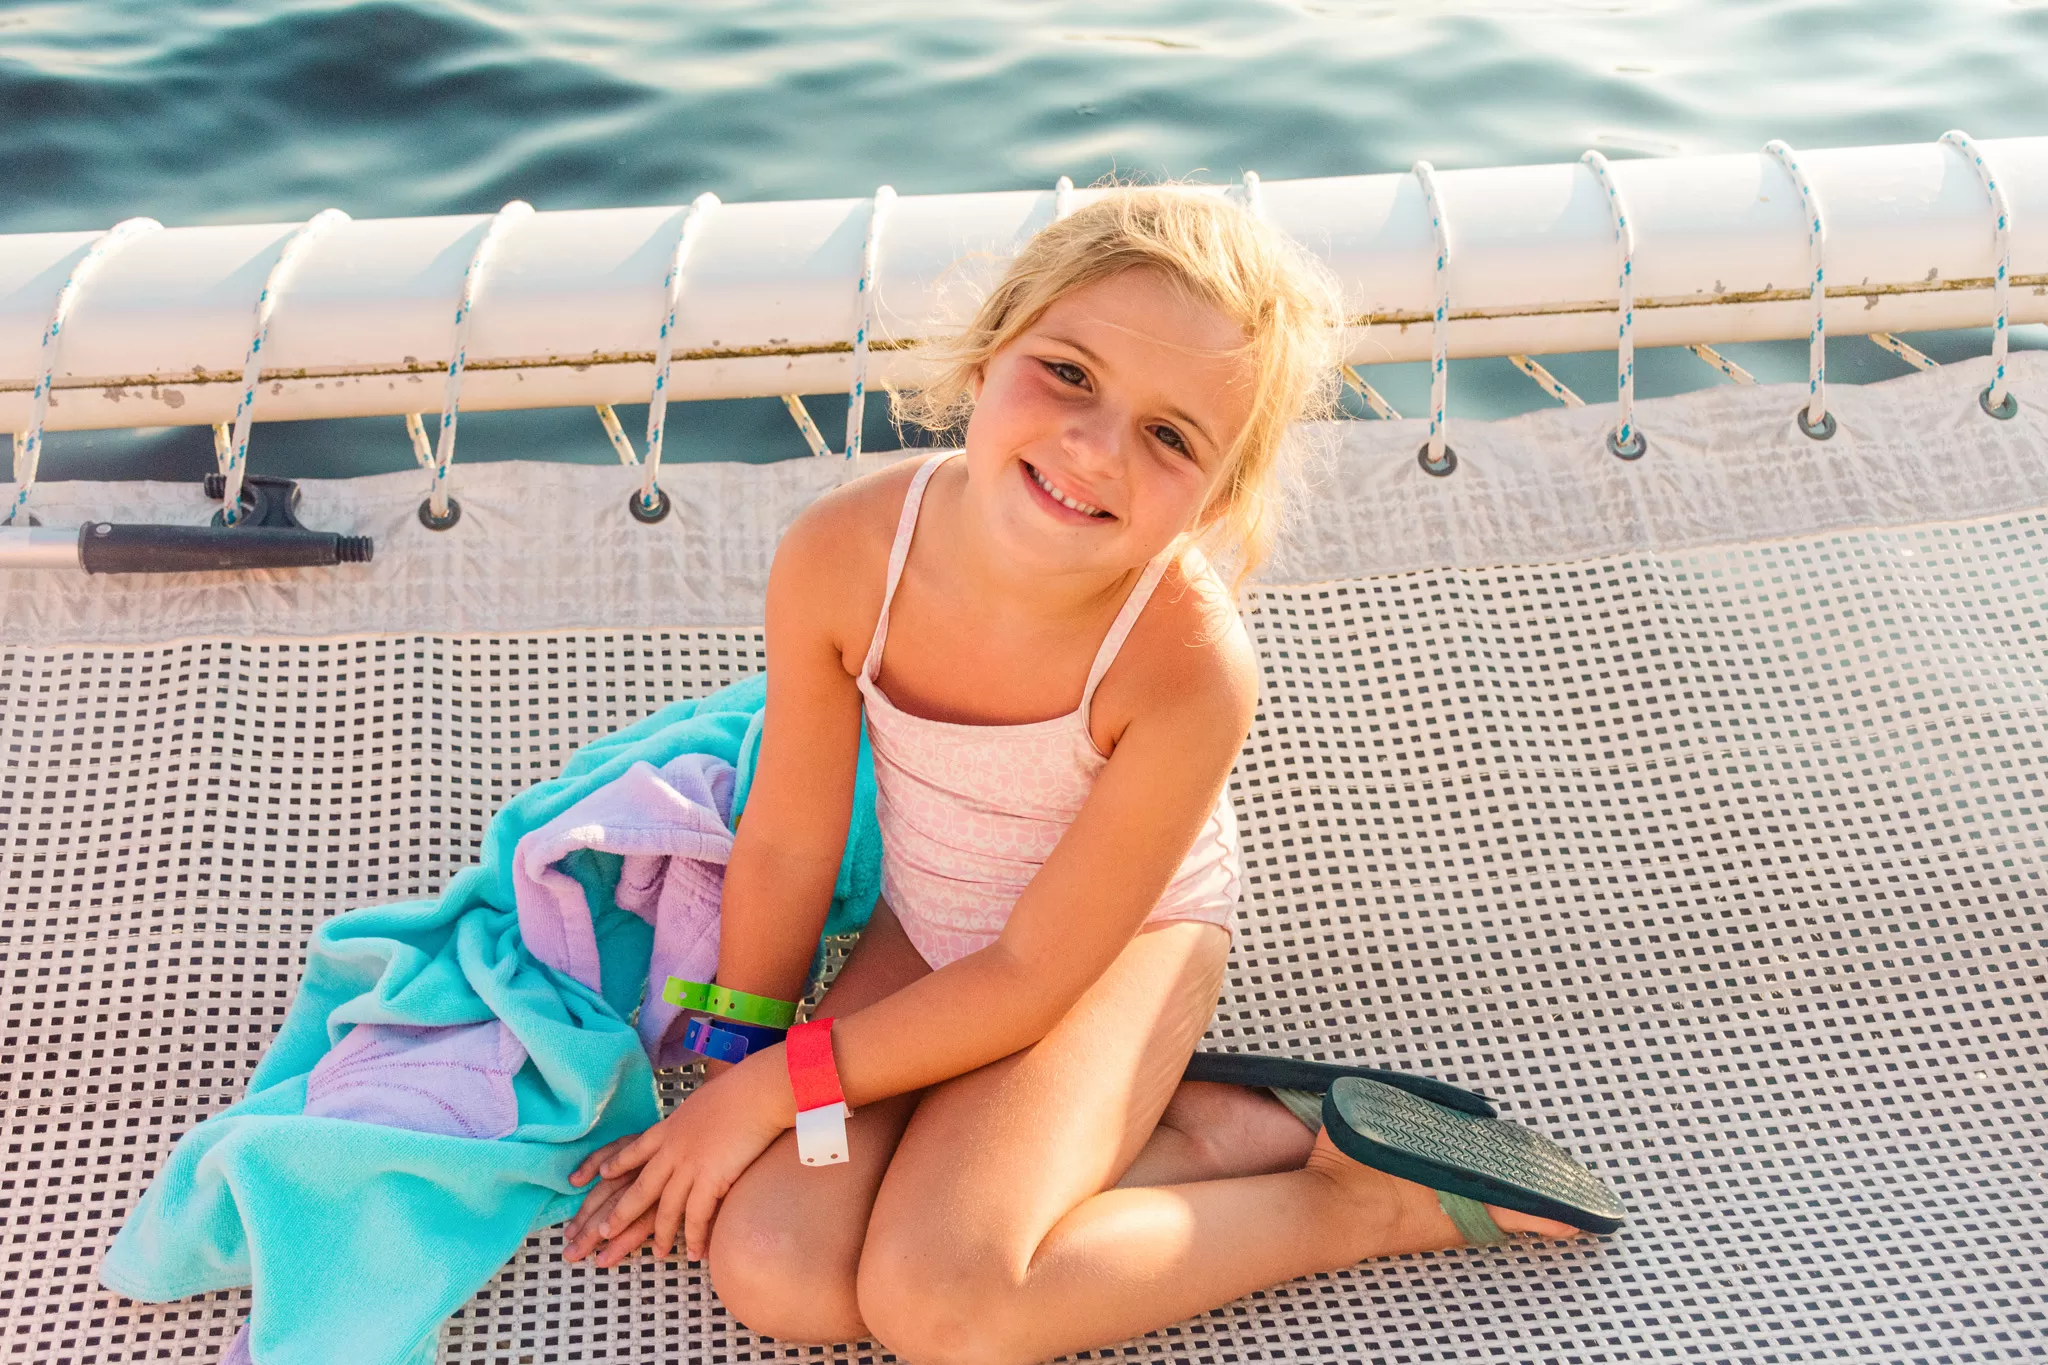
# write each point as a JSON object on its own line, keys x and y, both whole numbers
{"x": 821, "y": 1135}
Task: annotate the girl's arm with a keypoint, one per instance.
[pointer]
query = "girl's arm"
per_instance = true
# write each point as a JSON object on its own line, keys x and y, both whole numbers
{"x": 787, "y": 851}
{"x": 1084, "y": 906}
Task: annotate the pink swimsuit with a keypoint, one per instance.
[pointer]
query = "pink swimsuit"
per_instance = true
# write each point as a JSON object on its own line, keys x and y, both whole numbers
{"x": 968, "y": 813}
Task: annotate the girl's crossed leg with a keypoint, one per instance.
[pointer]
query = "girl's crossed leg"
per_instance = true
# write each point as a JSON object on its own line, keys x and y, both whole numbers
{"x": 981, "y": 1221}
{"x": 787, "y": 1245}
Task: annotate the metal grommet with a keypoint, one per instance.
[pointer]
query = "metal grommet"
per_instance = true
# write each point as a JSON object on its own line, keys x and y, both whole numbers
{"x": 1822, "y": 432}
{"x": 642, "y": 512}
{"x": 1636, "y": 448}
{"x": 2005, "y": 411}
{"x": 1438, "y": 470}
{"x": 434, "y": 523}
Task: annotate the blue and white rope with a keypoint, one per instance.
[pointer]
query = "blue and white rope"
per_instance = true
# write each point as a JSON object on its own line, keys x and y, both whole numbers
{"x": 1912, "y": 355}
{"x": 1722, "y": 363}
{"x": 622, "y": 444}
{"x": 1062, "y": 198}
{"x": 1816, "y": 249}
{"x": 1625, "y": 287}
{"x": 1439, "y": 378}
{"x": 799, "y": 414}
{"x": 2001, "y": 247}
{"x": 857, "y": 397}
{"x": 451, "y": 392}
{"x": 701, "y": 209}
{"x": 422, "y": 448}
{"x": 1381, "y": 408}
{"x": 234, "y": 458}
{"x": 28, "y": 443}
{"x": 1547, "y": 381}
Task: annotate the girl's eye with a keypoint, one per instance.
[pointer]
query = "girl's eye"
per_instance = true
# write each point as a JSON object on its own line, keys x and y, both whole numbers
{"x": 1066, "y": 372}
{"x": 1171, "y": 439}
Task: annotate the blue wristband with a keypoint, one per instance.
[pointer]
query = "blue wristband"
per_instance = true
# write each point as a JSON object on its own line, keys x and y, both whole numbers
{"x": 724, "y": 1040}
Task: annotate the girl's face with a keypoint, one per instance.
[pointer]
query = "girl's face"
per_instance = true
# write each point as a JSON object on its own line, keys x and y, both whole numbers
{"x": 1098, "y": 434}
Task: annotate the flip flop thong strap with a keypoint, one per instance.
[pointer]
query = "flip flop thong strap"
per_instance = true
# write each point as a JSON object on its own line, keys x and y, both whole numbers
{"x": 1305, "y": 1105}
{"x": 1471, "y": 1219}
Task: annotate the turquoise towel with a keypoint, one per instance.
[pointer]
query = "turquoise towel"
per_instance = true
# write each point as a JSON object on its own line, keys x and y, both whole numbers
{"x": 359, "y": 1239}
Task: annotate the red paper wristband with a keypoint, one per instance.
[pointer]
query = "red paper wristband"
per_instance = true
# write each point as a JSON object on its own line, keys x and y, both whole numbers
{"x": 820, "y": 1103}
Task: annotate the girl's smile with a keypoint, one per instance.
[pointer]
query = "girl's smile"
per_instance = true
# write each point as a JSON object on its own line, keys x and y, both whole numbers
{"x": 1059, "y": 497}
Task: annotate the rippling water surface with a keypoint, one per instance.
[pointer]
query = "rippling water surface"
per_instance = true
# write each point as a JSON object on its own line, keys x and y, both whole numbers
{"x": 272, "y": 110}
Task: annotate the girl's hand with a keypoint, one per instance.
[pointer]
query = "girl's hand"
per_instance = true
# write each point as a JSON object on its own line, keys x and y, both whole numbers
{"x": 581, "y": 1232}
{"x": 688, "y": 1161}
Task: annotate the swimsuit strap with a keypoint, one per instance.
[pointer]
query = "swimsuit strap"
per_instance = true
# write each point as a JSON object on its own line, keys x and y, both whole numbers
{"x": 899, "y": 554}
{"x": 1125, "y": 619}
{"x": 906, "y": 526}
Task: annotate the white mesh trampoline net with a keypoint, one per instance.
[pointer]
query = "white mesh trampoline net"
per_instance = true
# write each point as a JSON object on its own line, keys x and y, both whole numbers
{"x": 1716, "y": 857}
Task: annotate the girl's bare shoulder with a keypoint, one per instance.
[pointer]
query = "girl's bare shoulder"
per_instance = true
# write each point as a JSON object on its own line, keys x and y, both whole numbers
{"x": 831, "y": 562}
{"x": 1188, "y": 655}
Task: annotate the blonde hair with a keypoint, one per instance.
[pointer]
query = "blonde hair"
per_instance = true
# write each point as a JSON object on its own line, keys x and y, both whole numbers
{"x": 1284, "y": 301}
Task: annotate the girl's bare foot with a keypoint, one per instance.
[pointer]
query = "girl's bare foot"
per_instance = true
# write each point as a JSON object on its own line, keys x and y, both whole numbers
{"x": 1395, "y": 1216}
{"x": 1212, "y": 1131}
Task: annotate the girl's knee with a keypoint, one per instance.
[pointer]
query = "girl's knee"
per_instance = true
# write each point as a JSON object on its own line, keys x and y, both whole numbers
{"x": 780, "y": 1280}
{"x": 934, "y": 1307}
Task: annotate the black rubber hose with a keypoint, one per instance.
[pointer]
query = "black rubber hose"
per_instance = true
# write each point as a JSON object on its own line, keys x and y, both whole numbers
{"x": 107, "y": 547}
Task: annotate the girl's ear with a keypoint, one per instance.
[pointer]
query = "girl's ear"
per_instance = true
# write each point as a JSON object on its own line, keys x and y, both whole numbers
{"x": 974, "y": 383}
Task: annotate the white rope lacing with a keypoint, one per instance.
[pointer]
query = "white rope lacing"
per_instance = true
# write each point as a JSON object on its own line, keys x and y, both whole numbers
{"x": 1547, "y": 381}
{"x": 443, "y": 455}
{"x": 1381, "y": 408}
{"x": 422, "y": 448}
{"x": 857, "y": 397}
{"x": 1816, "y": 422}
{"x": 1912, "y": 355}
{"x": 622, "y": 444}
{"x": 231, "y": 448}
{"x": 1625, "y": 440}
{"x": 799, "y": 414}
{"x": 1434, "y": 458}
{"x": 1723, "y": 364}
{"x": 1062, "y": 198}
{"x": 28, "y": 443}
{"x": 1996, "y": 400}
{"x": 650, "y": 497}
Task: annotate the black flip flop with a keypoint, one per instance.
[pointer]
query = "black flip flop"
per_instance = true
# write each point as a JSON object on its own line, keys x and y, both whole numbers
{"x": 1290, "y": 1073}
{"x": 1466, "y": 1157}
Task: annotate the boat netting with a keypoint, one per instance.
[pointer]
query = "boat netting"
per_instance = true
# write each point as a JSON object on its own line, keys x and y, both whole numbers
{"x": 1718, "y": 857}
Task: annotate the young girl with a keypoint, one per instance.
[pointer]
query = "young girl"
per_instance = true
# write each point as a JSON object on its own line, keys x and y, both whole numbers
{"x": 1056, "y": 686}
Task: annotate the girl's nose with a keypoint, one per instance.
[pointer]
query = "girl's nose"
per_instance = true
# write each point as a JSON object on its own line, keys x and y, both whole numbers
{"x": 1095, "y": 444}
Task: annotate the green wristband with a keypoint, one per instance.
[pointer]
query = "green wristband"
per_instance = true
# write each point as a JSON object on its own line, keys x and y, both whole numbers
{"x": 686, "y": 995}
{"x": 727, "y": 1003}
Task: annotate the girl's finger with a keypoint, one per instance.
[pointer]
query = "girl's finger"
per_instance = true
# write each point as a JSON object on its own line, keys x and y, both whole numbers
{"x": 636, "y": 1200}
{"x": 639, "y": 1153}
{"x": 594, "y": 1199}
{"x": 669, "y": 1217}
{"x": 581, "y": 1231}
{"x": 698, "y": 1214}
{"x": 627, "y": 1242}
{"x": 588, "y": 1167}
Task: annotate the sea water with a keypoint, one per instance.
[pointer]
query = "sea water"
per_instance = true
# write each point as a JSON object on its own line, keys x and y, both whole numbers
{"x": 270, "y": 110}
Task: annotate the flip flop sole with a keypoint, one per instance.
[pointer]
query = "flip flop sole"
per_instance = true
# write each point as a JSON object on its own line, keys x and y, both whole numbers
{"x": 1290, "y": 1073}
{"x": 1497, "y": 1163}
